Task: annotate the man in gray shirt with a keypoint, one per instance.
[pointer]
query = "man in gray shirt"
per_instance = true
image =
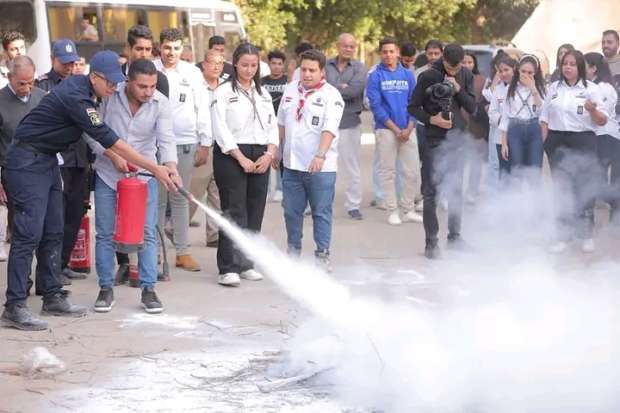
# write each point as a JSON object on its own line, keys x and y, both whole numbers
{"x": 142, "y": 116}
{"x": 17, "y": 98}
{"x": 349, "y": 77}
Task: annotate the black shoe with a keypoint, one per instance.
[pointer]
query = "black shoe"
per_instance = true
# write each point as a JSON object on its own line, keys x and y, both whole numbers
{"x": 73, "y": 275}
{"x": 19, "y": 316}
{"x": 58, "y": 305}
{"x": 212, "y": 244}
{"x": 105, "y": 300}
{"x": 355, "y": 214}
{"x": 432, "y": 252}
{"x": 456, "y": 243}
{"x": 122, "y": 274}
{"x": 150, "y": 302}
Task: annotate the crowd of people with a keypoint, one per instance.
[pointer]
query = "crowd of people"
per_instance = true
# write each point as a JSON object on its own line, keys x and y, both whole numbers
{"x": 225, "y": 131}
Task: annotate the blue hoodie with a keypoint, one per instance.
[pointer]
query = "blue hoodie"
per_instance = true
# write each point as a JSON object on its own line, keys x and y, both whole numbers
{"x": 388, "y": 93}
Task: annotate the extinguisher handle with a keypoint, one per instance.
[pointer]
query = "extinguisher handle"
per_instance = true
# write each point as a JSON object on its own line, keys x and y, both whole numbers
{"x": 132, "y": 167}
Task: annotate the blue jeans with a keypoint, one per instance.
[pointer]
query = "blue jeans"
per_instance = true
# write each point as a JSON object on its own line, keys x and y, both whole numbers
{"x": 525, "y": 147}
{"x": 300, "y": 188}
{"x": 105, "y": 217}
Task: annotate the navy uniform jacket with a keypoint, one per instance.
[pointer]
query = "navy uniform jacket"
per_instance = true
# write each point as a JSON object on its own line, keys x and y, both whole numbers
{"x": 61, "y": 118}
{"x": 78, "y": 155}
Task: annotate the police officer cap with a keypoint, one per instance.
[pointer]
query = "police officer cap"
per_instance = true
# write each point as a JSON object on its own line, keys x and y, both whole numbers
{"x": 106, "y": 63}
{"x": 65, "y": 51}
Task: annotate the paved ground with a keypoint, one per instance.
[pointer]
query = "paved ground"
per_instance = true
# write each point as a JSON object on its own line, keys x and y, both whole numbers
{"x": 215, "y": 347}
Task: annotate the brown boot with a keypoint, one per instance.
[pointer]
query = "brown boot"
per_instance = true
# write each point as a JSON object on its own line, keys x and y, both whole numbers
{"x": 187, "y": 262}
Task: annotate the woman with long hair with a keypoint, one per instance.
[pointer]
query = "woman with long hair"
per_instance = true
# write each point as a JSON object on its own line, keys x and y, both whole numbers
{"x": 521, "y": 135}
{"x": 477, "y": 130}
{"x": 608, "y": 136}
{"x": 505, "y": 67}
{"x": 562, "y": 50}
{"x": 572, "y": 110}
{"x": 246, "y": 136}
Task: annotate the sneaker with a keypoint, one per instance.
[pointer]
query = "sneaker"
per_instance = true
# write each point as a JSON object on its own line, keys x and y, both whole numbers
{"x": 432, "y": 252}
{"x": 587, "y": 245}
{"x": 73, "y": 275}
{"x": 65, "y": 280}
{"x": 105, "y": 300}
{"x": 3, "y": 253}
{"x": 19, "y": 316}
{"x": 230, "y": 279}
{"x": 419, "y": 207}
{"x": 151, "y": 302}
{"x": 355, "y": 214}
{"x": 456, "y": 243}
{"x": 277, "y": 196}
{"x": 58, "y": 305}
{"x": 122, "y": 274}
{"x": 394, "y": 219}
{"x": 559, "y": 247}
{"x": 251, "y": 275}
{"x": 412, "y": 216}
{"x": 322, "y": 260}
{"x": 187, "y": 262}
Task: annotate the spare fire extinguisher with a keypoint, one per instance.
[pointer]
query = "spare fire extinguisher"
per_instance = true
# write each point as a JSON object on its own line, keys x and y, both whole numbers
{"x": 79, "y": 261}
{"x": 131, "y": 198}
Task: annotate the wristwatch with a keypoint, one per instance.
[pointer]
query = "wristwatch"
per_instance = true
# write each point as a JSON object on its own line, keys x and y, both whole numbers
{"x": 320, "y": 155}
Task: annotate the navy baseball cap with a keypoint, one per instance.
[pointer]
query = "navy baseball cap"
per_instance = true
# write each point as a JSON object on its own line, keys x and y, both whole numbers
{"x": 106, "y": 63}
{"x": 65, "y": 51}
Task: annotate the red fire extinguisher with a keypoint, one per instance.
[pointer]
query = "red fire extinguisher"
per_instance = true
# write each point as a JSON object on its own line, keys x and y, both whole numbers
{"x": 131, "y": 198}
{"x": 79, "y": 261}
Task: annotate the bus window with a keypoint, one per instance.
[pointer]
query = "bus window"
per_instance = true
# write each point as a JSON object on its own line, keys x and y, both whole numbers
{"x": 227, "y": 17}
{"x": 73, "y": 22}
{"x": 201, "y": 34}
{"x": 159, "y": 19}
{"x": 117, "y": 21}
{"x": 18, "y": 16}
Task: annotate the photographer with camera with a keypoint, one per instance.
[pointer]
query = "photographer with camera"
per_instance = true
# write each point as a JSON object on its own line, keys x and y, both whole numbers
{"x": 440, "y": 94}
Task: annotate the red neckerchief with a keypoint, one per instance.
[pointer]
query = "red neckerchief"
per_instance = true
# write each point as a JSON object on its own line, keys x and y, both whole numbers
{"x": 305, "y": 95}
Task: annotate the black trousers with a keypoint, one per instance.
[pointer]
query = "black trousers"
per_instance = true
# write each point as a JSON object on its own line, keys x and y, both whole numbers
{"x": 443, "y": 163}
{"x": 576, "y": 176}
{"x": 76, "y": 190}
{"x": 608, "y": 149}
{"x": 242, "y": 197}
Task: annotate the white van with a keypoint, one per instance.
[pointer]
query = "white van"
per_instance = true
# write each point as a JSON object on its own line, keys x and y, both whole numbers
{"x": 43, "y": 21}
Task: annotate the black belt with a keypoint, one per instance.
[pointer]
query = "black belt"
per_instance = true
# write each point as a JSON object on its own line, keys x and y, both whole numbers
{"x": 31, "y": 148}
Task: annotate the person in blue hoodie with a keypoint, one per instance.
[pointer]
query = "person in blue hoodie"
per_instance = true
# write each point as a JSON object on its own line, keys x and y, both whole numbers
{"x": 389, "y": 88}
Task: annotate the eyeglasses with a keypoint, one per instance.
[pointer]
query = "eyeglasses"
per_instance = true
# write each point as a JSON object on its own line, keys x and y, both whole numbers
{"x": 109, "y": 84}
{"x": 214, "y": 64}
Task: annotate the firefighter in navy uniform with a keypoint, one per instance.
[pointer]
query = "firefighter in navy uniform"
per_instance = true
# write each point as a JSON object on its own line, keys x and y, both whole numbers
{"x": 75, "y": 169}
{"x": 34, "y": 184}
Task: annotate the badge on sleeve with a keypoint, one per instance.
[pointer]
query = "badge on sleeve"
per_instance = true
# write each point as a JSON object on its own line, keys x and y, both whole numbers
{"x": 94, "y": 117}
{"x": 315, "y": 121}
{"x": 580, "y": 110}
{"x": 182, "y": 97}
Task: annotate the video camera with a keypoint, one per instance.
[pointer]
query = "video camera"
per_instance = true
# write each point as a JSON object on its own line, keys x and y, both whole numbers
{"x": 440, "y": 95}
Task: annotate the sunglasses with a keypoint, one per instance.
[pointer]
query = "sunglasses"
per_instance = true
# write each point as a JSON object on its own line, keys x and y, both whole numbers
{"x": 109, "y": 84}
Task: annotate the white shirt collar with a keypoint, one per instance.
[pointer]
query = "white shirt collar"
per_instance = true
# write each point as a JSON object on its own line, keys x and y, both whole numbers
{"x": 24, "y": 99}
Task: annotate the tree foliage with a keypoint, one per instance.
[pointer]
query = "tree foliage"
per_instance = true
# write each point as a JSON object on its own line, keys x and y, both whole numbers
{"x": 283, "y": 23}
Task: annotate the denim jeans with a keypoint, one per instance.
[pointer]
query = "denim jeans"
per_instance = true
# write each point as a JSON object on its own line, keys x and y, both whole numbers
{"x": 525, "y": 149}
{"x": 105, "y": 217}
{"x": 318, "y": 189}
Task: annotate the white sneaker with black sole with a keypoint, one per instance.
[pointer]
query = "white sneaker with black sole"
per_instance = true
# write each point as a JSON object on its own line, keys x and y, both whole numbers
{"x": 230, "y": 279}
{"x": 105, "y": 301}
{"x": 394, "y": 218}
{"x": 251, "y": 275}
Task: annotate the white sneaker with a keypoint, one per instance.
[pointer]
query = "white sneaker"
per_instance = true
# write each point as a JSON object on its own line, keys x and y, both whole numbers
{"x": 394, "y": 219}
{"x": 412, "y": 216}
{"x": 3, "y": 254}
{"x": 230, "y": 279}
{"x": 251, "y": 275}
{"x": 277, "y": 196}
{"x": 587, "y": 245}
{"x": 558, "y": 247}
